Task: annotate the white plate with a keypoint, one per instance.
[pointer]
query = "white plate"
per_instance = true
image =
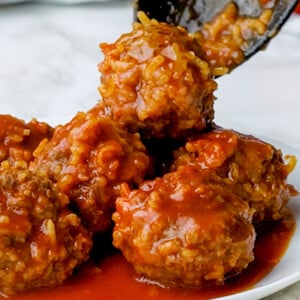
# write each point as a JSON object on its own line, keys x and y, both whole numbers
{"x": 287, "y": 271}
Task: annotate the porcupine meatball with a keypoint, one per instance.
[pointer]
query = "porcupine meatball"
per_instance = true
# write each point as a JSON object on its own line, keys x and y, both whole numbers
{"x": 227, "y": 38}
{"x": 155, "y": 79}
{"x": 41, "y": 240}
{"x": 18, "y": 139}
{"x": 249, "y": 167}
{"x": 180, "y": 231}
{"x": 89, "y": 158}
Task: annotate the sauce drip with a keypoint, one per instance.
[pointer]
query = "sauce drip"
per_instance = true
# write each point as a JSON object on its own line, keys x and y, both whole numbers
{"x": 113, "y": 278}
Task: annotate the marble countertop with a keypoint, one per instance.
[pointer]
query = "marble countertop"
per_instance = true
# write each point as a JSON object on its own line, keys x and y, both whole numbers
{"x": 48, "y": 70}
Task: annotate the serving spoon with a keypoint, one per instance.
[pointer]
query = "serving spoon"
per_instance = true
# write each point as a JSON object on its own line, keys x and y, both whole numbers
{"x": 194, "y": 14}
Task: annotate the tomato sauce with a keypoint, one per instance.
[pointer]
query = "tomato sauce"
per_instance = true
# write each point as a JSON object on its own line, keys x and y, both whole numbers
{"x": 112, "y": 278}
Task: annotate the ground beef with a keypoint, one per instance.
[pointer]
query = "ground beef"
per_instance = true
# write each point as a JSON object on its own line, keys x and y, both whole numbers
{"x": 249, "y": 167}
{"x": 41, "y": 240}
{"x": 180, "y": 231}
{"x": 155, "y": 80}
{"x": 18, "y": 139}
{"x": 89, "y": 159}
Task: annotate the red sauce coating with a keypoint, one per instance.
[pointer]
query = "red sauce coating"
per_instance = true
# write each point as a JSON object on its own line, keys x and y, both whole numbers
{"x": 114, "y": 278}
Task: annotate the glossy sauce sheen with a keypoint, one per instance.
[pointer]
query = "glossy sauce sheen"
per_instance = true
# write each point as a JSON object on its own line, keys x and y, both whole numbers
{"x": 113, "y": 278}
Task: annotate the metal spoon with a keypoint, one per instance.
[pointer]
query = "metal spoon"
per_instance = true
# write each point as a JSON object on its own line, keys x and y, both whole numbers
{"x": 194, "y": 14}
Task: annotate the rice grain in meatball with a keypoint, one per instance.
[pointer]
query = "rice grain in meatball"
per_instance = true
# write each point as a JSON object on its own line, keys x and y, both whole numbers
{"x": 230, "y": 35}
{"x": 155, "y": 79}
{"x": 41, "y": 240}
{"x": 89, "y": 158}
{"x": 18, "y": 139}
{"x": 249, "y": 167}
{"x": 180, "y": 231}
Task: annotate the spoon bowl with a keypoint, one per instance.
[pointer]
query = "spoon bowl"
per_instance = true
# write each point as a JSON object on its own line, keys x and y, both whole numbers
{"x": 196, "y": 14}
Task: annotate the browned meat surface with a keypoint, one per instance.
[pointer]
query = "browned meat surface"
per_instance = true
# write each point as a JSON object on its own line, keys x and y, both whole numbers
{"x": 18, "y": 139}
{"x": 89, "y": 159}
{"x": 180, "y": 231}
{"x": 225, "y": 39}
{"x": 249, "y": 167}
{"x": 155, "y": 79}
{"x": 41, "y": 240}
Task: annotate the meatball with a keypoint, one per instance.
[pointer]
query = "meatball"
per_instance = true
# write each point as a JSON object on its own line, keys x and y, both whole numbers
{"x": 249, "y": 167}
{"x": 19, "y": 139}
{"x": 229, "y": 36}
{"x": 155, "y": 79}
{"x": 180, "y": 231}
{"x": 89, "y": 158}
{"x": 41, "y": 240}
